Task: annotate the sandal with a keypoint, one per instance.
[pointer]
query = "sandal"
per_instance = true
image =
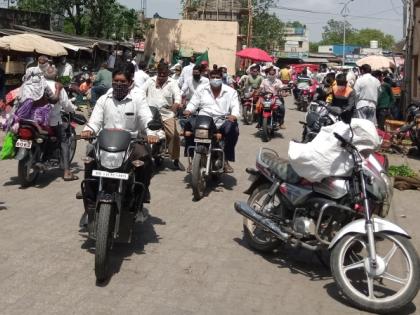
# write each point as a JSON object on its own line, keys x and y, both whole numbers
{"x": 228, "y": 169}
{"x": 70, "y": 178}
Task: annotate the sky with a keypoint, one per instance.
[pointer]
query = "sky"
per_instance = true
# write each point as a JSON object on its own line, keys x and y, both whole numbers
{"x": 385, "y": 15}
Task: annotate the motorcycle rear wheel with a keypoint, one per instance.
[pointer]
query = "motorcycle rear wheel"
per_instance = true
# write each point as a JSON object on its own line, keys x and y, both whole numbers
{"x": 198, "y": 180}
{"x": 27, "y": 174}
{"x": 256, "y": 237}
{"x": 373, "y": 293}
{"x": 103, "y": 241}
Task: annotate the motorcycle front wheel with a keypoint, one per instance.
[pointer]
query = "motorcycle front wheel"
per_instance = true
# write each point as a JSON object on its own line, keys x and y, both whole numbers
{"x": 27, "y": 172}
{"x": 247, "y": 115}
{"x": 198, "y": 181}
{"x": 388, "y": 288}
{"x": 103, "y": 241}
{"x": 256, "y": 237}
{"x": 73, "y": 145}
{"x": 266, "y": 130}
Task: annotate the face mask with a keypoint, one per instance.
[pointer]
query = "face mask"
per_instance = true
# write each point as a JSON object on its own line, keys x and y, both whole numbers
{"x": 43, "y": 66}
{"x": 120, "y": 91}
{"x": 224, "y": 75}
{"x": 197, "y": 77}
{"x": 271, "y": 77}
{"x": 216, "y": 83}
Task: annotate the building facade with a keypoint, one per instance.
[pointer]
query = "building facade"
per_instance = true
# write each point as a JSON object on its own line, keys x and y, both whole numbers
{"x": 215, "y": 10}
{"x": 296, "y": 42}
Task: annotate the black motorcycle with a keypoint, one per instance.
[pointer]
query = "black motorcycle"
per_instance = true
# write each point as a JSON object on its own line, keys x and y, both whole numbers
{"x": 113, "y": 197}
{"x": 319, "y": 115}
{"x": 412, "y": 126}
{"x": 39, "y": 149}
{"x": 208, "y": 158}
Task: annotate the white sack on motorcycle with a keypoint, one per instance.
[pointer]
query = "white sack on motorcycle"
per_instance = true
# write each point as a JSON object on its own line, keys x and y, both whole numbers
{"x": 324, "y": 157}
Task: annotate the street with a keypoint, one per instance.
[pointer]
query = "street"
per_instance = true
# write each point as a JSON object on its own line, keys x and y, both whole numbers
{"x": 188, "y": 258}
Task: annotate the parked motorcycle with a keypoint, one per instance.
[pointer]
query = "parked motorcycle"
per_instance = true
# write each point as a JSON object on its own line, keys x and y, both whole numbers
{"x": 412, "y": 127}
{"x": 372, "y": 260}
{"x": 39, "y": 149}
{"x": 269, "y": 115}
{"x": 209, "y": 156}
{"x": 113, "y": 198}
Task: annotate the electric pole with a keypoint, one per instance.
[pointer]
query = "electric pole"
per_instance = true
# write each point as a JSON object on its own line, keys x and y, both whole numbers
{"x": 250, "y": 24}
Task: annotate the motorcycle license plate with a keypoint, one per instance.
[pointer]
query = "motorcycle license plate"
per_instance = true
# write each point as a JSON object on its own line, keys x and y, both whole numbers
{"x": 202, "y": 140}
{"x": 104, "y": 174}
{"x": 26, "y": 144}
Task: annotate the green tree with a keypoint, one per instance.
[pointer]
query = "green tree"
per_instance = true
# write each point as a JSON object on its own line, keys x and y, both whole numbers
{"x": 313, "y": 47}
{"x": 295, "y": 24}
{"x": 268, "y": 31}
{"x": 333, "y": 33}
{"x": 365, "y": 35}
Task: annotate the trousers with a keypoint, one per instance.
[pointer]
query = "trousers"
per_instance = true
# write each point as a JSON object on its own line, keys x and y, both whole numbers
{"x": 172, "y": 137}
{"x": 62, "y": 135}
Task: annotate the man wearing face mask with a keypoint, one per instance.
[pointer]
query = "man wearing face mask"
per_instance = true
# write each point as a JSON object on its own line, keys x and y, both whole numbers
{"x": 226, "y": 78}
{"x": 215, "y": 100}
{"x": 64, "y": 68}
{"x": 123, "y": 107}
{"x": 192, "y": 85}
{"x": 271, "y": 84}
{"x": 163, "y": 92}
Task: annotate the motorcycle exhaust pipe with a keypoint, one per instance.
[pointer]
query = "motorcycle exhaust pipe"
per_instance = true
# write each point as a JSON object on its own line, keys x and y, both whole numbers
{"x": 244, "y": 209}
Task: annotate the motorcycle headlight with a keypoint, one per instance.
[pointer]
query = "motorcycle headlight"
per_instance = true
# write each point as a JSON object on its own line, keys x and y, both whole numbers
{"x": 111, "y": 160}
{"x": 202, "y": 133}
{"x": 267, "y": 104}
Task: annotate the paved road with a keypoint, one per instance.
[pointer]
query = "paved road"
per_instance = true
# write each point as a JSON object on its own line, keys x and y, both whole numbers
{"x": 189, "y": 258}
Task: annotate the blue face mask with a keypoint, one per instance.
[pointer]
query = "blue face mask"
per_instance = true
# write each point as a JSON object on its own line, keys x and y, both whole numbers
{"x": 216, "y": 82}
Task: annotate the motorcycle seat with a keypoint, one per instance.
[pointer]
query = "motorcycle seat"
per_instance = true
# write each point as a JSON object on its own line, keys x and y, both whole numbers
{"x": 281, "y": 168}
{"x": 34, "y": 124}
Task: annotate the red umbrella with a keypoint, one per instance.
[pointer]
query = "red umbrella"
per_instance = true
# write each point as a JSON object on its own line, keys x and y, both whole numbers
{"x": 255, "y": 54}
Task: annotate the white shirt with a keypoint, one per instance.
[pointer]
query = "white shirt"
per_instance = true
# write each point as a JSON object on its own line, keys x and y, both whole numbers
{"x": 163, "y": 97}
{"x": 367, "y": 90}
{"x": 140, "y": 78}
{"x": 227, "y": 103}
{"x": 191, "y": 86}
{"x": 131, "y": 114}
{"x": 186, "y": 74}
{"x": 111, "y": 60}
{"x": 63, "y": 104}
{"x": 65, "y": 70}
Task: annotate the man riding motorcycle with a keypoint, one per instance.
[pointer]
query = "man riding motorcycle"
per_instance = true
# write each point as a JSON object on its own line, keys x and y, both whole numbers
{"x": 163, "y": 92}
{"x": 215, "y": 100}
{"x": 274, "y": 86}
{"x": 123, "y": 107}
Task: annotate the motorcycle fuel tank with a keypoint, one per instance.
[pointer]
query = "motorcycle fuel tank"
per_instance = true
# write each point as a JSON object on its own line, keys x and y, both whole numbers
{"x": 332, "y": 187}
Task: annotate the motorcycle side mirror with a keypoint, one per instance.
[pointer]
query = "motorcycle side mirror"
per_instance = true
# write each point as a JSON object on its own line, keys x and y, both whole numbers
{"x": 154, "y": 125}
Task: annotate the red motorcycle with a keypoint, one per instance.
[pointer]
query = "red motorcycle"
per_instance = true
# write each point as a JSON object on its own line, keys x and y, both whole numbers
{"x": 249, "y": 101}
{"x": 270, "y": 114}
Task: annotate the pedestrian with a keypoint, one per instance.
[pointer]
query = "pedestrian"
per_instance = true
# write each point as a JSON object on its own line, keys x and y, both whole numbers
{"x": 386, "y": 100}
{"x": 367, "y": 92}
{"x": 187, "y": 71}
{"x": 192, "y": 85}
{"x": 285, "y": 75}
{"x": 64, "y": 68}
{"x": 111, "y": 60}
{"x": 102, "y": 83}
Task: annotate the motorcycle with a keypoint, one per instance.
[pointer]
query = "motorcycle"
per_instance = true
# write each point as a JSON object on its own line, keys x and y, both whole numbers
{"x": 269, "y": 116}
{"x": 248, "y": 107}
{"x": 112, "y": 197}
{"x": 412, "y": 126}
{"x": 344, "y": 215}
{"x": 209, "y": 156}
{"x": 39, "y": 149}
{"x": 158, "y": 150}
{"x": 318, "y": 115}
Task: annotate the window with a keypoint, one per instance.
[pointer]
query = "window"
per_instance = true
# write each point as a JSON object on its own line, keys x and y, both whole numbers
{"x": 300, "y": 44}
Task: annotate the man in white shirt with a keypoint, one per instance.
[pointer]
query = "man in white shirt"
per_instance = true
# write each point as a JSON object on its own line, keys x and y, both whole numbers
{"x": 56, "y": 122}
{"x": 65, "y": 69}
{"x": 367, "y": 91}
{"x": 140, "y": 76}
{"x": 186, "y": 73}
{"x": 124, "y": 108}
{"x": 217, "y": 100}
{"x": 192, "y": 85}
{"x": 163, "y": 92}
